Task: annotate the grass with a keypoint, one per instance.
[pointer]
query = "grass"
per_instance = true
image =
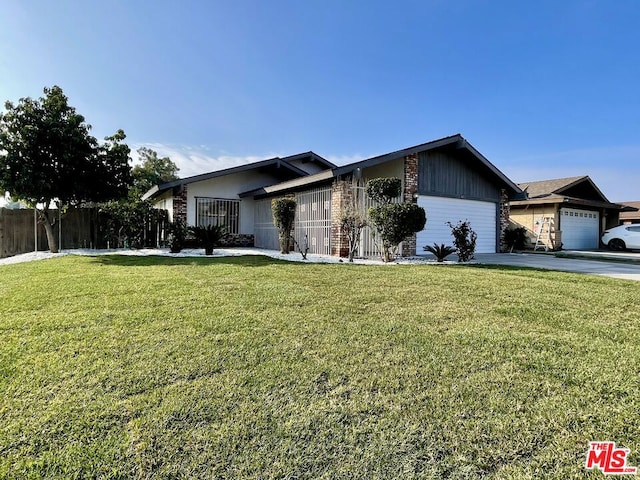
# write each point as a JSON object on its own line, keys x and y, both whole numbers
{"x": 133, "y": 367}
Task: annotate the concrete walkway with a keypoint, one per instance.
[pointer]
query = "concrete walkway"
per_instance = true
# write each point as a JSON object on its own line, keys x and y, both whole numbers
{"x": 627, "y": 271}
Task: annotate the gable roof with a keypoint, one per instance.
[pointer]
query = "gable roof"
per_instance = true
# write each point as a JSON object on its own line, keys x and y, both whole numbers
{"x": 631, "y": 212}
{"x": 275, "y": 162}
{"x": 310, "y": 157}
{"x": 579, "y": 190}
{"x": 456, "y": 140}
{"x": 558, "y": 186}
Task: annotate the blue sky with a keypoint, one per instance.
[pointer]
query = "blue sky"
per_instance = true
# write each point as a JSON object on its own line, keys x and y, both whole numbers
{"x": 543, "y": 89}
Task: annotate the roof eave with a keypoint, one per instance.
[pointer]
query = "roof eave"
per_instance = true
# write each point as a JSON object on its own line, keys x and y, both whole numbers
{"x": 151, "y": 192}
{"x": 372, "y": 162}
{"x": 290, "y": 185}
{"x": 278, "y": 162}
{"x": 313, "y": 156}
{"x": 567, "y": 200}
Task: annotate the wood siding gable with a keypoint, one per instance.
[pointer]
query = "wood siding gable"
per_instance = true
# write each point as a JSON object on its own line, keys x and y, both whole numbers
{"x": 586, "y": 191}
{"x": 442, "y": 173}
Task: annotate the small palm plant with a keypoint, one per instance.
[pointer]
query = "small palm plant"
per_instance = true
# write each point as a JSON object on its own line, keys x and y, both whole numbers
{"x": 440, "y": 251}
{"x": 209, "y": 237}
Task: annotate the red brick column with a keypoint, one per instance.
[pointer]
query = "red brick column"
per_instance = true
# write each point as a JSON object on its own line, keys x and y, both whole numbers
{"x": 409, "y": 196}
{"x": 504, "y": 210}
{"x": 340, "y": 196}
{"x": 180, "y": 205}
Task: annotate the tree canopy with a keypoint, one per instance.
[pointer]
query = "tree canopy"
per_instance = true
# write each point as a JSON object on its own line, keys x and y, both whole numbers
{"x": 152, "y": 171}
{"x": 47, "y": 155}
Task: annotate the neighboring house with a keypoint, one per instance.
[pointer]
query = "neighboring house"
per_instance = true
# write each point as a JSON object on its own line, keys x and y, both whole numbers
{"x": 578, "y": 210}
{"x": 448, "y": 177}
{"x": 629, "y": 217}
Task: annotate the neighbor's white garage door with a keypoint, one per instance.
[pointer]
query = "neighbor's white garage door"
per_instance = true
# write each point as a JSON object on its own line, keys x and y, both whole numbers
{"x": 580, "y": 229}
{"x": 440, "y": 210}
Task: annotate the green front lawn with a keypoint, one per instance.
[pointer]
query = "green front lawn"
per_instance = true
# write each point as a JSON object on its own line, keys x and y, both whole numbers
{"x": 133, "y": 367}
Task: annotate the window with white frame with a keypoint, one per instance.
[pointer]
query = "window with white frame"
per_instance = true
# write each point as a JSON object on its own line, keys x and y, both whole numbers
{"x": 218, "y": 211}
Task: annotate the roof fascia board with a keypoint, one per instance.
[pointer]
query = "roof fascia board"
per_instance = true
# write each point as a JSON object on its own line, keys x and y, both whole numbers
{"x": 372, "y": 162}
{"x": 291, "y": 184}
{"x": 314, "y": 157}
{"x": 565, "y": 200}
{"x": 221, "y": 173}
{"x": 151, "y": 192}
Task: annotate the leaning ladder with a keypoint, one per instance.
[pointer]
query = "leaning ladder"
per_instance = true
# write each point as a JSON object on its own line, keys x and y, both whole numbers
{"x": 543, "y": 239}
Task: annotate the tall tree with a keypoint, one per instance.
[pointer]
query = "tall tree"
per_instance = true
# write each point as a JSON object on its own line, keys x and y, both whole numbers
{"x": 47, "y": 156}
{"x": 152, "y": 171}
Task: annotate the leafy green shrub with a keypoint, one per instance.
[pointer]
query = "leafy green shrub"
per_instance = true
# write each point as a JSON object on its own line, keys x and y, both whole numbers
{"x": 209, "y": 237}
{"x": 126, "y": 222}
{"x": 383, "y": 190}
{"x": 440, "y": 251}
{"x": 516, "y": 238}
{"x": 464, "y": 239}
{"x": 394, "y": 222}
{"x": 284, "y": 214}
{"x": 177, "y": 234}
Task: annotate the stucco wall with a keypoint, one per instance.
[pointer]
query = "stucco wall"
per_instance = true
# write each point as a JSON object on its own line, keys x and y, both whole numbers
{"x": 527, "y": 217}
{"x": 165, "y": 202}
{"x": 228, "y": 187}
{"x": 393, "y": 168}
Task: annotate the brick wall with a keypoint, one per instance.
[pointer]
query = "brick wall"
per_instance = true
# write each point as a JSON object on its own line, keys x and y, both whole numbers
{"x": 340, "y": 196}
{"x": 409, "y": 195}
{"x": 180, "y": 205}
{"x": 504, "y": 211}
{"x": 238, "y": 240}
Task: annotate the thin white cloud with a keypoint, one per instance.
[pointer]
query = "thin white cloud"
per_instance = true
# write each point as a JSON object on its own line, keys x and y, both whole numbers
{"x": 194, "y": 161}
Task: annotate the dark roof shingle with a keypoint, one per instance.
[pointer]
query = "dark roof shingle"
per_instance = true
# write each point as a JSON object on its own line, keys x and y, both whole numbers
{"x": 547, "y": 187}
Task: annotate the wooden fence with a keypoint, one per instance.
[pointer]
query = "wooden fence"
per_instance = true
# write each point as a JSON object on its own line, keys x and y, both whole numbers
{"x": 76, "y": 228}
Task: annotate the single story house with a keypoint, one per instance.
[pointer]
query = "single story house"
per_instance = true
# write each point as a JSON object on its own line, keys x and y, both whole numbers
{"x": 629, "y": 217}
{"x": 448, "y": 177}
{"x": 578, "y": 212}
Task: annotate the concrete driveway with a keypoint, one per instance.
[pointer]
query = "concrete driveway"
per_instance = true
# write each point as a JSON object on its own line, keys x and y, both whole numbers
{"x": 627, "y": 271}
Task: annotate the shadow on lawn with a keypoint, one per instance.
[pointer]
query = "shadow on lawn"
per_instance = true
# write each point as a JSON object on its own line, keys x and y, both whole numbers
{"x": 263, "y": 261}
{"x": 157, "y": 260}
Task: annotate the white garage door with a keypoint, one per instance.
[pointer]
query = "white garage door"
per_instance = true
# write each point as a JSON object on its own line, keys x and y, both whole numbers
{"x": 440, "y": 210}
{"x": 580, "y": 229}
